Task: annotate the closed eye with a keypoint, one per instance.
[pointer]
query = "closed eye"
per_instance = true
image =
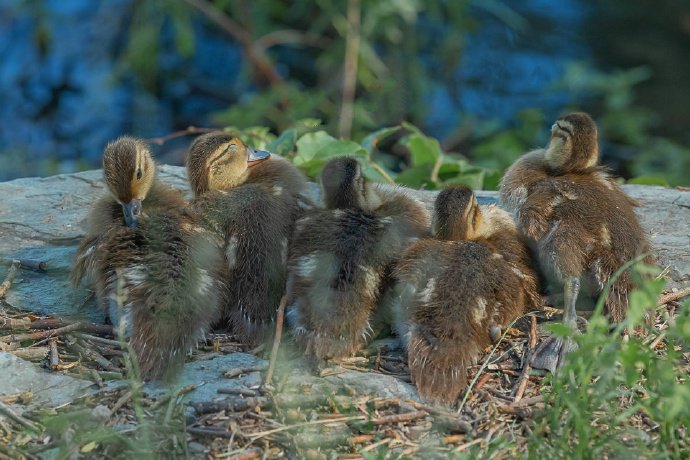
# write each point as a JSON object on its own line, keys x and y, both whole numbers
{"x": 565, "y": 128}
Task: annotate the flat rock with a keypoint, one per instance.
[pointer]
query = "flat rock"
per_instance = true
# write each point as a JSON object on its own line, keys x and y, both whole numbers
{"x": 44, "y": 219}
{"x": 48, "y": 389}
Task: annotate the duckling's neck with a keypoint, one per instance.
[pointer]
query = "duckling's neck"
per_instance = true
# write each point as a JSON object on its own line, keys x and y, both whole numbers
{"x": 343, "y": 199}
{"x": 563, "y": 158}
{"x": 454, "y": 230}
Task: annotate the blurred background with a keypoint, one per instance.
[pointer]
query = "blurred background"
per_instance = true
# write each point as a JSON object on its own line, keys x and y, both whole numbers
{"x": 486, "y": 78}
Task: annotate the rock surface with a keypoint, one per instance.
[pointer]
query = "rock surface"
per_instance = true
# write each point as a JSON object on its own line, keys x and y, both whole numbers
{"x": 44, "y": 219}
{"x": 48, "y": 389}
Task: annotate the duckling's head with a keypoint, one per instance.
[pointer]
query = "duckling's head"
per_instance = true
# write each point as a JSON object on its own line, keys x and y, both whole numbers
{"x": 128, "y": 170}
{"x": 574, "y": 143}
{"x": 343, "y": 185}
{"x": 456, "y": 214}
{"x": 219, "y": 161}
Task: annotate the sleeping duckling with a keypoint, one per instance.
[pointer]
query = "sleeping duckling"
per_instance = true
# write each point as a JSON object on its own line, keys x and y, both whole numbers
{"x": 250, "y": 199}
{"x": 151, "y": 275}
{"x": 580, "y": 223}
{"x": 340, "y": 258}
{"x": 454, "y": 289}
{"x": 129, "y": 174}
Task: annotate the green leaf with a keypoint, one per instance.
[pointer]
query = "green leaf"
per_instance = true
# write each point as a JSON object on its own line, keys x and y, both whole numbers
{"x": 373, "y": 174}
{"x": 371, "y": 141}
{"x": 322, "y": 146}
{"x": 417, "y": 177}
{"x": 285, "y": 143}
{"x": 649, "y": 180}
{"x": 473, "y": 180}
{"x": 423, "y": 149}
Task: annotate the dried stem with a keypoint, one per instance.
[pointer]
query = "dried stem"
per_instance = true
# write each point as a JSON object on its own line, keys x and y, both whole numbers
{"x": 276, "y": 340}
{"x": 11, "y": 273}
{"x": 31, "y": 264}
{"x": 184, "y": 132}
{"x": 41, "y": 335}
{"x": 670, "y": 297}
{"x": 12, "y": 415}
{"x": 481, "y": 369}
{"x": 54, "y": 355}
{"x": 255, "y": 54}
{"x": 437, "y": 169}
{"x": 519, "y": 390}
{"x": 350, "y": 68}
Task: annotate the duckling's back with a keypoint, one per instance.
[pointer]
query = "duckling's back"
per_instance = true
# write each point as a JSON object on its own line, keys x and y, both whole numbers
{"x": 449, "y": 295}
{"x": 256, "y": 221}
{"x": 339, "y": 262}
{"x": 579, "y": 222}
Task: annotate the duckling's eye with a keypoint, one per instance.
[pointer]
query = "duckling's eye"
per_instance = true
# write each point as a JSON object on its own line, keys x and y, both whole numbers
{"x": 139, "y": 173}
{"x": 232, "y": 148}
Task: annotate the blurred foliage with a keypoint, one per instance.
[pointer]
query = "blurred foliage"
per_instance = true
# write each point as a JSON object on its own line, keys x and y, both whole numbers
{"x": 399, "y": 62}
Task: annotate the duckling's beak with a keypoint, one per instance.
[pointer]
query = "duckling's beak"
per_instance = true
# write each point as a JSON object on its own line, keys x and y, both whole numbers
{"x": 132, "y": 211}
{"x": 254, "y": 157}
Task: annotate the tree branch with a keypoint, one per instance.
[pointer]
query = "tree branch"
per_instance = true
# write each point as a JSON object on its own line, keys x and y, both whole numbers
{"x": 255, "y": 54}
{"x": 350, "y": 70}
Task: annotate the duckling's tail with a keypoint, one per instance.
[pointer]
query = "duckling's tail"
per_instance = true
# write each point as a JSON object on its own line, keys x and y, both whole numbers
{"x": 439, "y": 368}
{"x": 177, "y": 294}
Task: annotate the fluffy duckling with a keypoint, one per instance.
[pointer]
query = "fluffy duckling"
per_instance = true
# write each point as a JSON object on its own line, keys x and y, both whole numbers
{"x": 580, "y": 223}
{"x": 160, "y": 278}
{"x": 455, "y": 289}
{"x": 340, "y": 258}
{"x": 250, "y": 199}
{"x": 149, "y": 270}
{"x": 129, "y": 174}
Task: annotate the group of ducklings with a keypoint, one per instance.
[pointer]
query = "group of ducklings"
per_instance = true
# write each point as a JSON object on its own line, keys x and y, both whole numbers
{"x": 166, "y": 270}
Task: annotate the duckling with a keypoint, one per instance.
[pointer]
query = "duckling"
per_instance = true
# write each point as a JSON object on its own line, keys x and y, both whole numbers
{"x": 150, "y": 271}
{"x": 579, "y": 221}
{"x": 160, "y": 278}
{"x": 250, "y": 199}
{"x": 455, "y": 289}
{"x": 340, "y": 258}
{"x": 129, "y": 174}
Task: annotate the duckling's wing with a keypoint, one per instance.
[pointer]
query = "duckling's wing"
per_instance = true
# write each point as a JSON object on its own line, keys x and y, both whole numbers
{"x": 104, "y": 219}
{"x": 175, "y": 292}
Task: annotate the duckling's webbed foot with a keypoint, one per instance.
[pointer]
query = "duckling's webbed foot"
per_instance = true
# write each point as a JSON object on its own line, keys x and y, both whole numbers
{"x": 550, "y": 354}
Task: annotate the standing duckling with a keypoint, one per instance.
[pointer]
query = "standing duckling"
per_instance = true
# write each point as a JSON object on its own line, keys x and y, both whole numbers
{"x": 151, "y": 275}
{"x": 340, "y": 258}
{"x": 455, "y": 289}
{"x": 250, "y": 199}
{"x": 579, "y": 221}
{"x": 129, "y": 174}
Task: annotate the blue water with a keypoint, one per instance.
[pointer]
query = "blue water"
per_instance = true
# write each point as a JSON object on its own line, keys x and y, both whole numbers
{"x": 64, "y": 96}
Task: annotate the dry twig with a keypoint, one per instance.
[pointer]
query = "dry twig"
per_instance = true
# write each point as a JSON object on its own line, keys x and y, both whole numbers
{"x": 671, "y": 296}
{"x": 41, "y": 335}
{"x": 54, "y": 355}
{"x": 276, "y": 340}
{"x": 184, "y": 132}
{"x": 31, "y": 264}
{"x": 521, "y": 385}
{"x": 11, "y": 273}
{"x": 12, "y": 415}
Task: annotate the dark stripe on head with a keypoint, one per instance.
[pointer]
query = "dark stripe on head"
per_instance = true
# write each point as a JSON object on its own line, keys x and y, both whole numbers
{"x": 199, "y": 152}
